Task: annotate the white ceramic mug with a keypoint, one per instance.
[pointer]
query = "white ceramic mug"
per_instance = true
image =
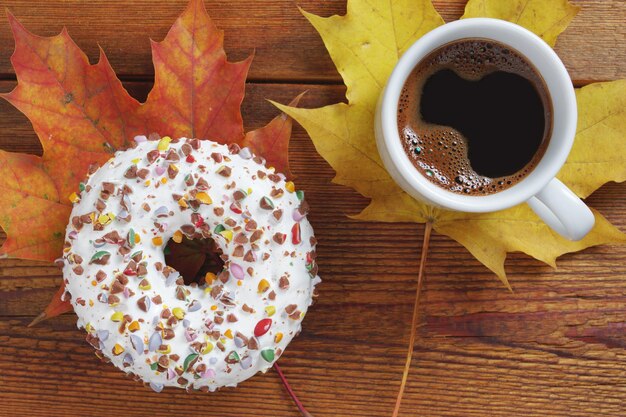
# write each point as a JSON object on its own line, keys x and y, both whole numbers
{"x": 556, "y": 204}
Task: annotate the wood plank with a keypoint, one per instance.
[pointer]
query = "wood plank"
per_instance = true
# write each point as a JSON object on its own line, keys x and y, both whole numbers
{"x": 286, "y": 47}
{"x": 556, "y": 346}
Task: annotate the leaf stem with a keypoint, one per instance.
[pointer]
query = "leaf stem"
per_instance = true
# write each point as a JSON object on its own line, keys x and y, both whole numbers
{"x": 290, "y": 391}
{"x": 409, "y": 356}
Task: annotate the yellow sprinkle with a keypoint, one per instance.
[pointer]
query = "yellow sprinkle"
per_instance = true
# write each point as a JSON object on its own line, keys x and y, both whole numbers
{"x": 157, "y": 241}
{"x": 209, "y": 278}
{"x": 213, "y": 308}
{"x": 145, "y": 287}
{"x": 136, "y": 160}
{"x": 178, "y": 312}
{"x": 164, "y": 143}
{"x": 117, "y": 316}
{"x": 271, "y": 169}
{"x": 228, "y": 234}
{"x": 92, "y": 216}
{"x": 208, "y": 348}
{"x": 270, "y": 310}
{"x": 90, "y": 303}
{"x": 228, "y": 334}
{"x": 133, "y": 326}
{"x": 165, "y": 351}
{"x": 94, "y": 282}
{"x": 178, "y": 236}
{"x": 183, "y": 203}
{"x": 263, "y": 285}
{"x": 89, "y": 328}
{"x": 104, "y": 219}
{"x": 207, "y": 290}
{"x": 290, "y": 186}
{"x": 163, "y": 180}
{"x": 74, "y": 198}
{"x": 249, "y": 191}
{"x": 203, "y": 198}
{"x": 137, "y": 238}
{"x": 147, "y": 183}
{"x": 239, "y": 283}
{"x": 117, "y": 349}
{"x": 278, "y": 337}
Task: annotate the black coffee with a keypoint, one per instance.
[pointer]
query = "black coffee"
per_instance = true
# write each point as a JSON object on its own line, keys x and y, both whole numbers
{"x": 475, "y": 117}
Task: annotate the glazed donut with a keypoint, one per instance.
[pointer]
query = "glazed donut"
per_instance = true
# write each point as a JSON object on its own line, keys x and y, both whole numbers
{"x": 138, "y": 312}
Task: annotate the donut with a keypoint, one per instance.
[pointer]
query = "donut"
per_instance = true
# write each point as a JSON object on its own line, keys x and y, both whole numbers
{"x": 138, "y": 312}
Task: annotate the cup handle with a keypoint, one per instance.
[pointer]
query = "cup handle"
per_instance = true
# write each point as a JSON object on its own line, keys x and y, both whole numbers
{"x": 562, "y": 210}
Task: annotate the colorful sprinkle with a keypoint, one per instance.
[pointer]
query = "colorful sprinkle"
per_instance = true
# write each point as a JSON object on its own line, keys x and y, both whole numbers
{"x": 278, "y": 337}
{"x": 204, "y": 198}
{"x": 262, "y": 327}
{"x": 263, "y": 285}
{"x": 237, "y": 271}
{"x": 290, "y": 186}
{"x": 270, "y": 310}
{"x": 155, "y": 341}
{"x": 164, "y": 143}
{"x": 117, "y": 316}
{"x": 188, "y": 360}
{"x": 100, "y": 256}
{"x": 178, "y": 312}
{"x": 227, "y": 234}
{"x": 117, "y": 349}
{"x": 157, "y": 241}
{"x": 137, "y": 343}
{"x": 268, "y": 355}
{"x": 178, "y": 236}
{"x": 74, "y": 198}
{"x": 209, "y": 278}
{"x": 295, "y": 234}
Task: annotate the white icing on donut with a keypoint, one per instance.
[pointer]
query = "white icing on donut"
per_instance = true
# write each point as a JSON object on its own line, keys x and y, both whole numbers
{"x": 189, "y": 186}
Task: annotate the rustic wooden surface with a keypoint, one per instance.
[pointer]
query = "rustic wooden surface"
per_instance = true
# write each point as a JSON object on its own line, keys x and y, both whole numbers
{"x": 554, "y": 347}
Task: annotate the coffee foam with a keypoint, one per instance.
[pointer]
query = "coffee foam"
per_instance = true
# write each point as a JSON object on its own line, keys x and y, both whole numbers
{"x": 439, "y": 152}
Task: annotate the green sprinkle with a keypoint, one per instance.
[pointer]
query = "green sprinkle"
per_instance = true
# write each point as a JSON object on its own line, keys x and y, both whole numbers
{"x": 188, "y": 360}
{"x": 154, "y": 366}
{"x": 99, "y": 255}
{"x": 219, "y": 228}
{"x": 81, "y": 186}
{"x": 268, "y": 355}
{"x": 300, "y": 195}
{"x": 131, "y": 238}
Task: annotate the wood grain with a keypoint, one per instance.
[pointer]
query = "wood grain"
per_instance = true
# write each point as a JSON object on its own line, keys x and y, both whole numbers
{"x": 286, "y": 47}
{"x": 556, "y": 346}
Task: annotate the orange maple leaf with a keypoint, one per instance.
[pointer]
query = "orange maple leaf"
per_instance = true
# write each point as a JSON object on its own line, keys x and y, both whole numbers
{"x": 82, "y": 114}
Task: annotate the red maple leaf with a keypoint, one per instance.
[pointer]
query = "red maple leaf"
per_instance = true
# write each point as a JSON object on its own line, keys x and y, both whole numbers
{"x": 82, "y": 114}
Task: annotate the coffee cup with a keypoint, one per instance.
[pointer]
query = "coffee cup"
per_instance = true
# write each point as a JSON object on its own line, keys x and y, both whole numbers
{"x": 548, "y": 197}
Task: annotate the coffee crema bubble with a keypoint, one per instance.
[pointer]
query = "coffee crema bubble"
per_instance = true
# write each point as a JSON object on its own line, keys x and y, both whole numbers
{"x": 474, "y": 117}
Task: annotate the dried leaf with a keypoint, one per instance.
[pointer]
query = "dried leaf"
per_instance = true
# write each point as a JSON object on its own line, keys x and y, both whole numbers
{"x": 81, "y": 113}
{"x": 196, "y": 93}
{"x": 364, "y": 46}
{"x": 599, "y": 152}
{"x": 56, "y": 307}
{"x": 272, "y": 140}
{"x": 546, "y": 18}
{"x": 31, "y": 212}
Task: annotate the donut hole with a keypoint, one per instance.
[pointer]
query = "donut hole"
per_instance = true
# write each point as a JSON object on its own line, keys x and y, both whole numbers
{"x": 194, "y": 258}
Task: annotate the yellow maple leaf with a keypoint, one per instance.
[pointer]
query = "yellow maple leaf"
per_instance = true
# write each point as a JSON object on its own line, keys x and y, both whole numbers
{"x": 546, "y": 18}
{"x": 365, "y": 45}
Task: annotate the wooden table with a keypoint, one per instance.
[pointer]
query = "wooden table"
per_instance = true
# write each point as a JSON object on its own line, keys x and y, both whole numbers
{"x": 554, "y": 347}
